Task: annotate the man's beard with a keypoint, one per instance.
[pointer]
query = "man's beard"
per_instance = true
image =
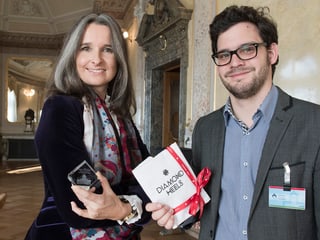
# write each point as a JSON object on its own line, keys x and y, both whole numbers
{"x": 245, "y": 91}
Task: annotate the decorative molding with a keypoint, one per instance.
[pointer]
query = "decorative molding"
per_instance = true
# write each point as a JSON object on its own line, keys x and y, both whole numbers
{"x": 116, "y": 8}
{"x": 52, "y": 17}
{"x": 26, "y": 8}
{"x": 20, "y": 40}
{"x": 167, "y": 14}
{"x": 121, "y": 10}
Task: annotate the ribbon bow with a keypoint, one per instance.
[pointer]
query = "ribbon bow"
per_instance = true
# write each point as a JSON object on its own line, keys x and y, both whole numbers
{"x": 196, "y": 201}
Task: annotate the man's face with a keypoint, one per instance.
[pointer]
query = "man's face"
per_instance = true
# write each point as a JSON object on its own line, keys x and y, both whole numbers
{"x": 245, "y": 78}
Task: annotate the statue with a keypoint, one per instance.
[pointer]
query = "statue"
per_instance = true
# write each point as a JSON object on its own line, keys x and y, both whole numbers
{"x": 29, "y": 117}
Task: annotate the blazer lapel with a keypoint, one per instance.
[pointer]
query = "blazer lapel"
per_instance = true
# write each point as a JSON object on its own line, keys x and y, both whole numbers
{"x": 215, "y": 163}
{"x": 278, "y": 127}
{"x": 217, "y": 153}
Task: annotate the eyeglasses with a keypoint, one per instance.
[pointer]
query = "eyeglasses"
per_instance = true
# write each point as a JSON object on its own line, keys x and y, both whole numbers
{"x": 245, "y": 52}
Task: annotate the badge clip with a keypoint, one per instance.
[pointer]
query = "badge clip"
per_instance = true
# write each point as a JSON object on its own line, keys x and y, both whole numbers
{"x": 287, "y": 183}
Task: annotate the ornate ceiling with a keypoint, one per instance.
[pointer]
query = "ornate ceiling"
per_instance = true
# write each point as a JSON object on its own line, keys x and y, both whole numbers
{"x": 55, "y": 17}
{"x": 43, "y": 23}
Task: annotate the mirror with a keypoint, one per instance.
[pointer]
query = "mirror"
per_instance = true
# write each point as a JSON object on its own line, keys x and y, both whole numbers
{"x": 26, "y": 80}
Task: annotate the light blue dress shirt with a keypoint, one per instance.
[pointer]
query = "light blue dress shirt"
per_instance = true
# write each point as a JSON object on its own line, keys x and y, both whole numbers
{"x": 242, "y": 153}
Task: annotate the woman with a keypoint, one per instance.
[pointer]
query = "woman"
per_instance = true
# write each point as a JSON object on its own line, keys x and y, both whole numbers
{"x": 87, "y": 116}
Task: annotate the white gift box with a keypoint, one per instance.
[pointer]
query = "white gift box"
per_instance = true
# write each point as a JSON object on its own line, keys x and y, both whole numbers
{"x": 168, "y": 178}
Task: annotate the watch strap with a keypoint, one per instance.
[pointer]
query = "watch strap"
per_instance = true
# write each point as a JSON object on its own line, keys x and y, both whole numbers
{"x": 133, "y": 212}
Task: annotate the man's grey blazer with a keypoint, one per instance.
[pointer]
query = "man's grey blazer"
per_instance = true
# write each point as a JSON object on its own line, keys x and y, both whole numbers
{"x": 293, "y": 137}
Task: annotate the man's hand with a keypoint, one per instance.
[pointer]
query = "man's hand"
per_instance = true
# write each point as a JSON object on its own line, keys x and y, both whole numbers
{"x": 161, "y": 213}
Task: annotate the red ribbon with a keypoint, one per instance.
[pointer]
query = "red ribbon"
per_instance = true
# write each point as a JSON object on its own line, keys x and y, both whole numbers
{"x": 196, "y": 201}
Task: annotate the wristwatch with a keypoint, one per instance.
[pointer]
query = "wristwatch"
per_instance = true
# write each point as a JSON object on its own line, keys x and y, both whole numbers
{"x": 133, "y": 212}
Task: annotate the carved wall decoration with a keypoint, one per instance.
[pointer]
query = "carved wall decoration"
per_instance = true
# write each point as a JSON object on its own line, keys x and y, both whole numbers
{"x": 163, "y": 42}
{"x": 31, "y": 40}
{"x": 164, "y": 38}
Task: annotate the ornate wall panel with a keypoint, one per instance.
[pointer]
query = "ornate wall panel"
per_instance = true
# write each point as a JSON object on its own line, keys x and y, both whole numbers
{"x": 164, "y": 37}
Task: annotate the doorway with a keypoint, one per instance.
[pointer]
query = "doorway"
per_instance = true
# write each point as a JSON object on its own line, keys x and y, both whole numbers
{"x": 171, "y": 93}
{"x": 166, "y": 66}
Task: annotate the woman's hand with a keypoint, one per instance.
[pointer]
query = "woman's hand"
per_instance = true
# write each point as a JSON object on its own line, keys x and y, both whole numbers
{"x": 100, "y": 206}
{"x": 161, "y": 213}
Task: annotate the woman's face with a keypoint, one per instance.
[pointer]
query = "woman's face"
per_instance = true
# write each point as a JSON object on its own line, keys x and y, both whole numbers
{"x": 96, "y": 62}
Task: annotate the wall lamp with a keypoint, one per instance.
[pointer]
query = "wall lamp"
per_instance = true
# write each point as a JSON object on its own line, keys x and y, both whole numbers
{"x": 125, "y": 35}
{"x": 29, "y": 92}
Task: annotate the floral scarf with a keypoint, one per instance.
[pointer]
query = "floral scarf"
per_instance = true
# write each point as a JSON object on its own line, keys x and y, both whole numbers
{"x": 114, "y": 151}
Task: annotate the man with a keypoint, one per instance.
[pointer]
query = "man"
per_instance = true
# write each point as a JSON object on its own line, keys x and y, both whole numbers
{"x": 262, "y": 147}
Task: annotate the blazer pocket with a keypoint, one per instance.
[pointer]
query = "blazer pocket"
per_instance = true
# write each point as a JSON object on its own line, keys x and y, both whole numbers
{"x": 297, "y": 172}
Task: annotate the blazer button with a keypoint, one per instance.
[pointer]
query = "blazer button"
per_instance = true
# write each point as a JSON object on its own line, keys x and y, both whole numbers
{"x": 211, "y": 234}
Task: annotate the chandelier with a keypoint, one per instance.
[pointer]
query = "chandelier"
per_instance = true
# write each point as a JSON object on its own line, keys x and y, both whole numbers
{"x": 29, "y": 92}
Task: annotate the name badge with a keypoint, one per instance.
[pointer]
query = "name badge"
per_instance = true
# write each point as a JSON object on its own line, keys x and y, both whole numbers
{"x": 295, "y": 198}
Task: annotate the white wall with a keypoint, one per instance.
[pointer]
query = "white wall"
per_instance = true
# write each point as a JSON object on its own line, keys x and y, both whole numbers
{"x": 298, "y": 70}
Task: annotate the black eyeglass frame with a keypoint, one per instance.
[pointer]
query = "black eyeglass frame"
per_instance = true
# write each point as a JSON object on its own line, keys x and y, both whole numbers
{"x": 256, "y": 45}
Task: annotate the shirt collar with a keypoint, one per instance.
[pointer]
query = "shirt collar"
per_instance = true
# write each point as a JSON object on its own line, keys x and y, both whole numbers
{"x": 266, "y": 108}
{"x": 269, "y": 104}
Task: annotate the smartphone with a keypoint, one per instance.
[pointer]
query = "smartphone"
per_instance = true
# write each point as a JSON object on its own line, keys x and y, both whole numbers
{"x": 84, "y": 176}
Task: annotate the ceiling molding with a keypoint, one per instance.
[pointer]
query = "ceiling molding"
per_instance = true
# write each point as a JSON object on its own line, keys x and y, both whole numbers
{"x": 23, "y": 40}
{"x": 43, "y": 23}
